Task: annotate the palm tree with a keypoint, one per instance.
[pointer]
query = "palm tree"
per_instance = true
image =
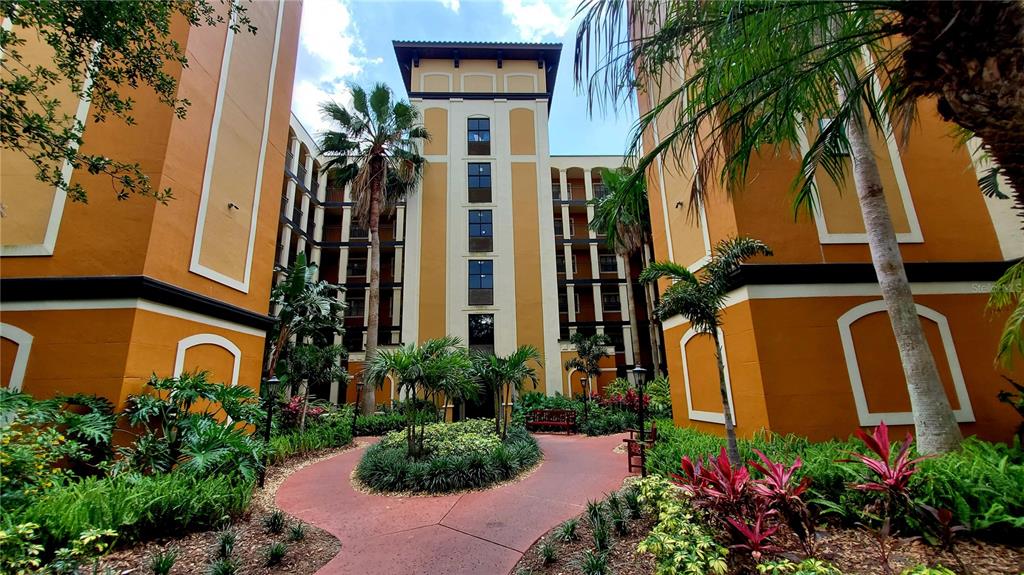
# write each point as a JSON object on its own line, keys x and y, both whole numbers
{"x": 502, "y": 375}
{"x": 756, "y": 74}
{"x": 590, "y": 350}
{"x": 375, "y": 150}
{"x": 307, "y": 308}
{"x": 621, "y": 215}
{"x": 701, "y": 301}
{"x": 436, "y": 369}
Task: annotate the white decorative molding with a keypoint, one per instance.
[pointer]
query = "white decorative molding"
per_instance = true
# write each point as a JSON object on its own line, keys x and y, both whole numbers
{"x": 129, "y": 303}
{"x": 195, "y": 266}
{"x": 864, "y": 415}
{"x": 492, "y": 77}
{"x": 207, "y": 339}
{"x": 425, "y": 75}
{"x": 696, "y": 414}
{"x": 24, "y": 341}
{"x": 519, "y": 75}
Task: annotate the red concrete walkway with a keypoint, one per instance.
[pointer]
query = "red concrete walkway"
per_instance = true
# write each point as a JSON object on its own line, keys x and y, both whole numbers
{"x": 479, "y": 533}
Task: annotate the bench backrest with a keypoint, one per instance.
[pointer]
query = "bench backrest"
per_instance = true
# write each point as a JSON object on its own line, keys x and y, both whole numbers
{"x": 566, "y": 415}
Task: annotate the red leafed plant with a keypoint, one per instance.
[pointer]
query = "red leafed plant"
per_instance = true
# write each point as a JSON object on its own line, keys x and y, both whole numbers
{"x": 755, "y": 538}
{"x": 715, "y": 482}
{"x": 291, "y": 413}
{"x": 892, "y": 474}
{"x": 779, "y": 490}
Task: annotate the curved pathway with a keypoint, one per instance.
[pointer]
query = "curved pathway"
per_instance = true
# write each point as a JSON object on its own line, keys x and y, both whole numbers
{"x": 477, "y": 533}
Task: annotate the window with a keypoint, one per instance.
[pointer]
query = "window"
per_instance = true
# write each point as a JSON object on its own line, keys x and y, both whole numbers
{"x": 616, "y": 337}
{"x": 357, "y": 266}
{"x": 481, "y": 332}
{"x": 558, "y": 227}
{"x": 572, "y": 228}
{"x": 563, "y": 302}
{"x": 610, "y": 301}
{"x": 478, "y": 136}
{"x": 357, "y": 232}
{"x": 575, "y": 266}
{"x": 481, "y": 282}
{"x": 356, "y": 303}
{"x": 576, "y": 301}
{"x": 607, "y": 264}
{"x": 560, "y": 263}
{"x": 481, "y": 231}
{"x": 556, "y": 190}
{"x": 479, "y": 182}
{"x": 599, "y": 189}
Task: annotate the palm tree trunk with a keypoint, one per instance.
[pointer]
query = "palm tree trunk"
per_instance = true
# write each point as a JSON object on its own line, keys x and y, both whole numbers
{"x": 275, "y": 353}
{"x": 651, "y": 325}
{"x": 305, "y": 405}
{"x": 936, "y": 427}
{"x": 634, "y": 329}
{"x": 369, "y": 404}
{"x": 730, "y": 429}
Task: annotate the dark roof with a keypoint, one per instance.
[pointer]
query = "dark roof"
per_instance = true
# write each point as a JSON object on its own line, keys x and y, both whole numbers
{"x": 408, "y": 54}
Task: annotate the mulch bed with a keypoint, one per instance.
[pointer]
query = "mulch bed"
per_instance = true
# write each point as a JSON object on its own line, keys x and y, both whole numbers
{"x": 853, "y": 551}
{"x": 195, "y": 551}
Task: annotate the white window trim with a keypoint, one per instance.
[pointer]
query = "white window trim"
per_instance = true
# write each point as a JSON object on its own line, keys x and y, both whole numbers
{"x": 576, "y": 300}
{"x": 197, "y": 244}
{"x": 572, "y": 227}
{"x": 211, "y": 339}
{"x": 24, "y": 341}
{"x": 575, "y": 267}
{"x": 520, "y": 75}
{"x": 696, "y": 414}
{"x": 864, "y": 414}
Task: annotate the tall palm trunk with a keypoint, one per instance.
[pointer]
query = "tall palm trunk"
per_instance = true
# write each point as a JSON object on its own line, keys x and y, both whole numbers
{"x": 732, "y": 449}
{"x": 652, "y": 327}
{"x": 971, "y": 56}
{"x": 936, "y": 427}
{"x": 369, "y": 404}
{"x": 634, "y": 326}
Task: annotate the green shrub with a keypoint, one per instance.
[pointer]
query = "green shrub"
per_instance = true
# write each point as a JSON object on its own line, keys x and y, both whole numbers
{"x": 548, "y": 553}
{"x": 567, "y": 532}
{"x": 297, "y": 532}
{"x": 379, "y": 423}
{"x": 593, "y": 563}
{"x": 274, "y": 553}
{"x": 275, "y": 522}
{"x": 679, "y": 542}
{"x": 463, "y": 455}
{"x": 223, "y": 567}
{"x": 225, "y": 544}
{"x": 138, "y": 507}
{"x": 162, "y": 562}
{"x": 982, "y": 483}
{"x": 805, "y": 567}
{"x": 333, "y": 429}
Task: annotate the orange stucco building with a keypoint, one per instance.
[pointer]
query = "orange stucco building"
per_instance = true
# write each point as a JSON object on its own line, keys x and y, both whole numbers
{"x": 97, "y": 297}
{"x": 808, "y": 345}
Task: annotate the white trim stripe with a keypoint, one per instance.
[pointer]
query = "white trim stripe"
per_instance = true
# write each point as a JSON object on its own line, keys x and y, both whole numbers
{"x": 211, "y": 339}
{"x": 696, "y": 414}
{"x": 24, "y": 341}
{"x": 864, "y": 414}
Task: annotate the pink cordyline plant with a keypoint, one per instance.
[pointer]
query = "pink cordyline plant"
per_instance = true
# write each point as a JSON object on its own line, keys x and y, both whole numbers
{"x": 777, "y": 484}
{"x": 892, "y": 474}
{"x": 754, "y": 538}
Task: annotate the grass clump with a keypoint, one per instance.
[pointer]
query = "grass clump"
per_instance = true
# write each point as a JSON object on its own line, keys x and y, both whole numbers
{"x": 162, "y": 562}
{"x": 275, "y": 522}
{"x": 567, "y": 532}
{"x": 274, "y": 553}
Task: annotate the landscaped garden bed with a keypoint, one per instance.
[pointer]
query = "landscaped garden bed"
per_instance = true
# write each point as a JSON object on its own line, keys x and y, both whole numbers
{"x": 454, "y": 457}
{"x": 857, "y": 507}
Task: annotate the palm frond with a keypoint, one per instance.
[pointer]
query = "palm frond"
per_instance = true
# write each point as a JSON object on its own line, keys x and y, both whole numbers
{"x": 657, "y": 270}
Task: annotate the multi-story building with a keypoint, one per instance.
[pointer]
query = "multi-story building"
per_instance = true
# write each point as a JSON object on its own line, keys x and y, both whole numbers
{"x": 808, "y": 344}
{"x": 498, "y": 239}
{"x": 97, "y": 297}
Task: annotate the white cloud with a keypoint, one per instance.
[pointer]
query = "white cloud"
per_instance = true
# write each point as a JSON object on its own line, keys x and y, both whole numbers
{"x": 330, "y": 55}
{"x": 538, "y": 19}
{"x": 452, "y": 5}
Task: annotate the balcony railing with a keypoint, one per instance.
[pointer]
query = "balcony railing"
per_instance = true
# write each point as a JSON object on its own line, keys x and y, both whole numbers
{"x": 301, "y": 173}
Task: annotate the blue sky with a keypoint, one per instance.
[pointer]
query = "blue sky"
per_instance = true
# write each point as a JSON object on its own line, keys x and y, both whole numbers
{"x": 344, "y": 41}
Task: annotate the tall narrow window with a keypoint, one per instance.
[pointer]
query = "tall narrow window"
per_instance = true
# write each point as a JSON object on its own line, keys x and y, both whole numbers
{"x": 558, "y": 227}
{"x": 481, "y": 332}
{"x": 478, "y": 136}
{"x": 481, "y": 231}
{"x": 481, "y": 282}
{"x": 572, "y": 228}
{"x": 479, "y": 182}
{"x": 560, "y": 263}
{"x": 556, "y": 191}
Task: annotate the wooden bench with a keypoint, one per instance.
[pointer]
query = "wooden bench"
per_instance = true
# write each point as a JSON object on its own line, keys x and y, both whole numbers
{"x": 551, "y": 420}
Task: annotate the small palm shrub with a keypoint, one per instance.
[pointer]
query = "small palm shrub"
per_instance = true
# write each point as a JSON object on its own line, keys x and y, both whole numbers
{"x": 274, "y": 553}
{"x": 225, "y": 544}
{"x": 593, "y": 563}
{"x": 548, "y": 553}
{"x": 602, "y": 536}
{"x": 463, "y": 455}
{"x": 275, "y": 522}
{"x": 297, "y": 532}
{"x": 631, "y": 496}
{"x": 223, "y": 567}
{"x": 162, "y": 562}
{"x": 567, "y": 532}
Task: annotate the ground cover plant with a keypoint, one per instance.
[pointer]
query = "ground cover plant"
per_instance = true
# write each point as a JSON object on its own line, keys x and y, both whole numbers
{"x": 456, "y": 456}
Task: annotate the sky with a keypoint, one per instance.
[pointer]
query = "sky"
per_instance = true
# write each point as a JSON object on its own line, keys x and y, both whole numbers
{"x": 346, "y": 41}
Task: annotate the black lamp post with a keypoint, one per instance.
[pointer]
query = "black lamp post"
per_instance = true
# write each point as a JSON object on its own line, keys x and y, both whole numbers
{"x": 638, "y": 378}
{"x": 355, "y": 408}
{"x": 271, "y": 384}
{"x": 585, "y": 385}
